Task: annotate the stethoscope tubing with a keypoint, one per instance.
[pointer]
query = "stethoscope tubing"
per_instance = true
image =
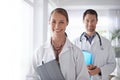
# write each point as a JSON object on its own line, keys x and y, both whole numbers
{"x": 100, "y": 41}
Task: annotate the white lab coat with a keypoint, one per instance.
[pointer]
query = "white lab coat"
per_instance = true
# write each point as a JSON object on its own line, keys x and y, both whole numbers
{"x": 103, "y": 58}
{"x": 117, "y": 71}
{"x": 71, "y": 61}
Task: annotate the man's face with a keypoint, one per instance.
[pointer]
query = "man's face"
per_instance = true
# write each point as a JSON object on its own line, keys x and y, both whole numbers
{"x": 90, "y": 22}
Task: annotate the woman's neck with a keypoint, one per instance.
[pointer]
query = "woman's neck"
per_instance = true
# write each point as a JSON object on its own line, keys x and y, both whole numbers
{"x": 58, "y": 41}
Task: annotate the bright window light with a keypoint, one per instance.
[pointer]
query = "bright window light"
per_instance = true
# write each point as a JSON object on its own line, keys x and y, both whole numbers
{"x": 15, "y": 38}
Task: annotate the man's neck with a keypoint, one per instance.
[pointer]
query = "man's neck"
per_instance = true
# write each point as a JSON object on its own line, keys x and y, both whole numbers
{"x": 89, "y": 34}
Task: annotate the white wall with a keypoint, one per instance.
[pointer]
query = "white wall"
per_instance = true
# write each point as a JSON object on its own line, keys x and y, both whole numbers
{"x": 83, "y": 4}
{"x": 40, "y": 22}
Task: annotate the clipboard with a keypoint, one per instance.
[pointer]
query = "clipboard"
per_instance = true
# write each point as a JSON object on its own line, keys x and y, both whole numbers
{"x": 50, "y": 71}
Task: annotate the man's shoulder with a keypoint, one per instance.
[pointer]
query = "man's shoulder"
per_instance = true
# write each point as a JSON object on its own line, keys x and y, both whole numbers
{"x": 105, "y": 40}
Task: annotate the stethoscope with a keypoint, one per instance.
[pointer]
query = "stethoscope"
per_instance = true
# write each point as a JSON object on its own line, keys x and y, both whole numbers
{"x": 100, "y": 41}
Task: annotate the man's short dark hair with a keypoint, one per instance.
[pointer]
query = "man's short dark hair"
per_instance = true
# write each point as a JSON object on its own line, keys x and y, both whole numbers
{"x": 90, "y": 11}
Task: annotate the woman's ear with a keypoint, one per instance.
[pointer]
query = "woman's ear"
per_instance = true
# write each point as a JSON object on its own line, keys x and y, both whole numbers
{"x": 67, "y": 23}
{"x": 83, "y": 21}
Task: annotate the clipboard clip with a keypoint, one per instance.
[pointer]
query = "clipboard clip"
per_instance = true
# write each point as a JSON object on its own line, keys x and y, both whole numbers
{"x": 42, "y": 62}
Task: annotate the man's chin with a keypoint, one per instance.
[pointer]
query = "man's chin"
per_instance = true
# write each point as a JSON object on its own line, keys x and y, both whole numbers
{"x": 91, "y": 30}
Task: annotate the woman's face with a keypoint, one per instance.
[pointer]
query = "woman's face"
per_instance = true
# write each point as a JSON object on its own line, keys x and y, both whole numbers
{"x": 58, "y": 23}
{"x": 90, "y": 22}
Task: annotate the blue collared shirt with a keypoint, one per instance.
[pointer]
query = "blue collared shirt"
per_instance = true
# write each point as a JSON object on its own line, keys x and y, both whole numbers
{"x": 89, "y": 38}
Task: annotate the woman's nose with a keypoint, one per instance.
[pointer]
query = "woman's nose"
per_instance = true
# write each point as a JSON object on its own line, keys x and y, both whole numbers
{"x": 57, "y": 25}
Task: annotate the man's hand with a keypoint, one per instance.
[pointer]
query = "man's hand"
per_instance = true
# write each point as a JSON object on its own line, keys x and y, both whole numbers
{"x": 93, "y": 70}
{"x": 90, "y": 67}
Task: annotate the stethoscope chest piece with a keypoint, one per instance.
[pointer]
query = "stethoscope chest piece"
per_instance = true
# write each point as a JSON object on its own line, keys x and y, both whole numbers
{"x": 102, "y": 48}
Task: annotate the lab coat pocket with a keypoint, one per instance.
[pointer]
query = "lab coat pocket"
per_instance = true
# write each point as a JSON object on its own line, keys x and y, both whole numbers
{"x": 100, "y": 58}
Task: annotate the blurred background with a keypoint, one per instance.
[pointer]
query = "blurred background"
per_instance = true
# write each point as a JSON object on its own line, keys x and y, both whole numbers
{"x": 24, "y": 27}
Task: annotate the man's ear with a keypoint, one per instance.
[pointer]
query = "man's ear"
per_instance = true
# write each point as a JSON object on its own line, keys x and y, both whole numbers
{"x": 97, "y": 21}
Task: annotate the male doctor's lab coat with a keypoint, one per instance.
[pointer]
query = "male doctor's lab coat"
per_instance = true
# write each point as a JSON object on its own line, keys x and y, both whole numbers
{"x": 71, "y": 62}
{"x": 103, "y": 56}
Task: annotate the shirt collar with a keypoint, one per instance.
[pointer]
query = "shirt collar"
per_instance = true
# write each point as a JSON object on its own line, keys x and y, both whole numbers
{"x": 89, "y": 38}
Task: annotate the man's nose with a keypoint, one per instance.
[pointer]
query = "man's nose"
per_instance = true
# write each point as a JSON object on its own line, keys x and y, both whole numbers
{"x": 90, "y": 23}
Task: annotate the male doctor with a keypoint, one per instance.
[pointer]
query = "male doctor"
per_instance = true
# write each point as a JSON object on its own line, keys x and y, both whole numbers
{"x": 100, "y": 48}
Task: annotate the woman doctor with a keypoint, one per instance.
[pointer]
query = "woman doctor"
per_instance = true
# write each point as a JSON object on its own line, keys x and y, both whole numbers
{"x": 101, "y": 49}
{"x": 69, "y": 57}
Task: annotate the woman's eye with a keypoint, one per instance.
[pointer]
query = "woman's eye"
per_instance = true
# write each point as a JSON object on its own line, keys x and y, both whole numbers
{"x": 53, "y": 22}
{"x": 87, "y": 21}
{"x": 61, "y": 22}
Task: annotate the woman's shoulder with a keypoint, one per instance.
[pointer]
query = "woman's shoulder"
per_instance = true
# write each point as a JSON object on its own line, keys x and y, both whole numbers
{"x": 77, "y": 39}
{"x": 40, "y": 50}
{"x": 43, "y": 45}
{"x": 76, "y": 49}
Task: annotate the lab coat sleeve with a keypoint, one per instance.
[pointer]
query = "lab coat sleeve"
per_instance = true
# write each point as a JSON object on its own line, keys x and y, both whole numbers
{"x": 118, "y": 67}
{"x": 81, "y": 69}
{"x": 32, "y": 73}
{"x": 109, "y": 67}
